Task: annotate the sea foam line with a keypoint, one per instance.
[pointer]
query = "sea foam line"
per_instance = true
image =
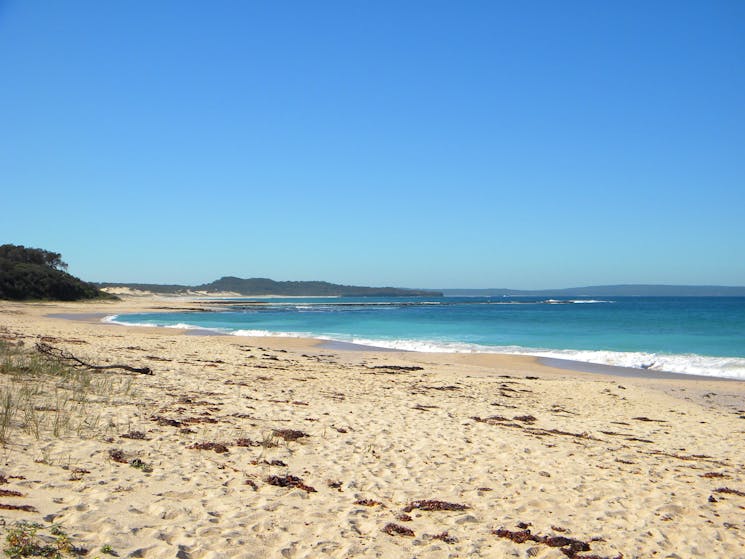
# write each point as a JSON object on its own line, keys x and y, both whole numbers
{"x": 691, "y": 364}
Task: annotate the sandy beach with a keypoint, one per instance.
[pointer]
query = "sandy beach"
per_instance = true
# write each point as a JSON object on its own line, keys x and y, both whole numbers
{"x": 284, "y": 447}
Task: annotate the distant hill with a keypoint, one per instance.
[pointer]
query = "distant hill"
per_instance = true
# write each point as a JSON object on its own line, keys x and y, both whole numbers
{"x": 608, "y": 291}
{"x": 264, "y": 286}
{"x": 34, "y": 273}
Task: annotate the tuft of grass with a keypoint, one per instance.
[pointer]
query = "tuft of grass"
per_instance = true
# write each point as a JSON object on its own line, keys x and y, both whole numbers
{"x": 40, "y": 395}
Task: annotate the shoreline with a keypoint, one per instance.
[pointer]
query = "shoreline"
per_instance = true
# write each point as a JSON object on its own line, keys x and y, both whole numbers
{"x": 264, "y": 447}
{"x": 572, "y": 365}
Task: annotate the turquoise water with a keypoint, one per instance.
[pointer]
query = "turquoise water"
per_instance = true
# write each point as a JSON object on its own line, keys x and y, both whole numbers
{"x": 686, "y": 335}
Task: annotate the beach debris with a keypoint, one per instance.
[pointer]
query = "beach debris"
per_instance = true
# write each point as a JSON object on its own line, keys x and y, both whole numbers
{"x": 268, "y": 463}
{"x": 24, "y": 508}
{"x": 334, "y": 484}
{"x": 432, "y": 505}
{"x": 289, "y": 434}
{"x": 649, "y": 420}
{"x": 137, "y": 435}
{"x": 423, "y": 407}
{"x": 714, "y": 474}
{"x": 397, "y": 530}
{"x": 166, "y": 421}
{"x": 729, "y": 491}
{"x": 117, "y": 455}
{"x": 289, "y": 481}
{"x": 293, "y": 402}
{"x": 525, "y": 418}
{"x": 10, "y": 493}
{"x": 368, "y": 503}
{"x": 445, "y": 537}
{"x": 78, "y": 473}
{"x": 568, "y": 546}
{"x": 220, "y": 448}
{"x": 60, "y": 354}
{"x": 403, "y": 517}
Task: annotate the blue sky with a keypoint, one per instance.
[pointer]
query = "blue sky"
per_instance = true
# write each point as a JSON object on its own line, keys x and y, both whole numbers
{"x": 422, "y": 144}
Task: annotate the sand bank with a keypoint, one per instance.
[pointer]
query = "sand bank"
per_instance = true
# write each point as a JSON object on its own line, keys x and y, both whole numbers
{"x": 281, "y": 447}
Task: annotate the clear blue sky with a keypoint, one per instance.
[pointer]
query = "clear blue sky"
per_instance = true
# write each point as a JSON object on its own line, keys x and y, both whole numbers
{"x": 421, "y": 144}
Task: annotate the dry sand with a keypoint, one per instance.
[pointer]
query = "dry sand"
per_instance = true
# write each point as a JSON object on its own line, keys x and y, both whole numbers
{"x": 630, "y": 466}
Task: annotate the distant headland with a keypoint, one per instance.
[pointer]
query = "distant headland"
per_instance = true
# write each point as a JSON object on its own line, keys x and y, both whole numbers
{"x": 265, "y": 287}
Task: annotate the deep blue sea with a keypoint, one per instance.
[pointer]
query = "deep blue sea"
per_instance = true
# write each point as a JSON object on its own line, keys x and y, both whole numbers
{"x": 693, "y": 335}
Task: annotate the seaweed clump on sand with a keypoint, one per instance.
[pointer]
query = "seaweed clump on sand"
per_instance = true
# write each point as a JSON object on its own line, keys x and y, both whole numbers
{"x": 289, "y": 434}
{"x": 445, "y": 537}
{"x": 220, "y": 448}
{"x": 730, "y": 491}
{"x": 290, "y": 481}
{"x": 397, "y": 530}
{"x": 430, "y": 505}
{"x": 568, "y": 546}
{"x": 368, "y": 503}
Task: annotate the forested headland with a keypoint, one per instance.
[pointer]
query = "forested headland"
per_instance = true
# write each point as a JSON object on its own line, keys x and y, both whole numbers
{"x": 37, "y": 274}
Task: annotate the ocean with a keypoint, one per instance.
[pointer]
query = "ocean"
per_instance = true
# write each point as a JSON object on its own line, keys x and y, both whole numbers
{"x": 691, "y": 335}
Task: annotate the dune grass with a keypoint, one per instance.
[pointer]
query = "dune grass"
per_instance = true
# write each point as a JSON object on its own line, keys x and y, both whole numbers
{"x": 44, "y": 397}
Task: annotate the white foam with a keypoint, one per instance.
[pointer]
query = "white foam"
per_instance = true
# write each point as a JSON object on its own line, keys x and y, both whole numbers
{"x": 113, "y": 319}
{"x": 692, "y": 364}
{"x": 271, "y": 334}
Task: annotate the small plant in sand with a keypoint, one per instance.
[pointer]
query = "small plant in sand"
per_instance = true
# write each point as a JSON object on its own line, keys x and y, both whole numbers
{"x": 108, "y": 550}
{"x": 26, "y": 539}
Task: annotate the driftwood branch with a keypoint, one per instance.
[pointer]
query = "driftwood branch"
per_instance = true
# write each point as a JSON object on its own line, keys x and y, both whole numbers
{"x": 62, "y": 355}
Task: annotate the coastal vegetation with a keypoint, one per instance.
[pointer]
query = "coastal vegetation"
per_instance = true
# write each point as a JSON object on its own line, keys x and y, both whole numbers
{"x": 34, "y": 273}
{"x": 264, "y": 286}
{"x": 43, "y": 395}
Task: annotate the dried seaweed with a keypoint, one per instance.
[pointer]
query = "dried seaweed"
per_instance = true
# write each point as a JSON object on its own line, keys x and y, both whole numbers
{"x": 117, "y": 455}
{"x": 289, "y": 434}
{"x": 368, "y": 503}
{"x": 246, "y": 442}
{"x": 713, "y": 475}
{"x": 220, "y": 448}
{"x": 398, "y": 367}
{"x": 289, "y": 481}
{"x": 166, "y": 421}
{"x": 431, "y": 505}
{"x": 10, "y": 493}
{"x": 25, "y": 508}
{"x": 138, "y": 435}
{"x": 445, "y": 537}
{"x": 729, "y": 491}
{"x": 397, "y": 530}
{"x": 568, "y": 546}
